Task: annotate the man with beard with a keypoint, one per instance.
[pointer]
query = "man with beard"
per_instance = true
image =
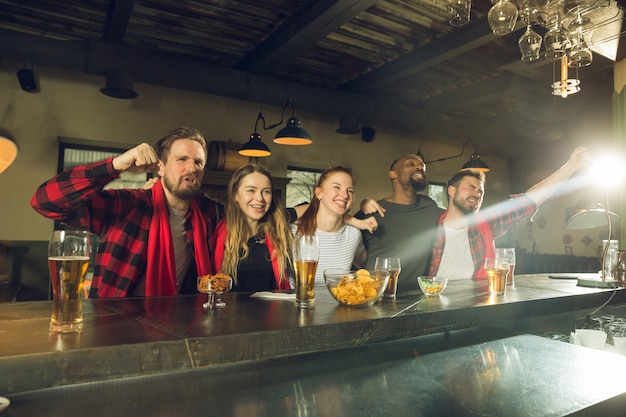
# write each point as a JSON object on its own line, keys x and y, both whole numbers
{"x": 408, "y": 227}
{"x": 466, "y": 236}
{"x": 152, "y": 242}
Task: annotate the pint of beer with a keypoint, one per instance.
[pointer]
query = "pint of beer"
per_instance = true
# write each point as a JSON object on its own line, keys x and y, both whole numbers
{"x": 68, "y": 260}
{"x": 497, "y": 270}
{"x": 305, "y": 257}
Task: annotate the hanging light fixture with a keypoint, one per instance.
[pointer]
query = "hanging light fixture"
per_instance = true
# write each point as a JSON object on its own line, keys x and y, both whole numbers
{"x": 255, "y": 147}
{"x": 476, "y": 163}
{"x": 569, "y": 28}
{"x": 563, "y": 85}
{"x": 119, "y": 84}
{"x": 8, "y": 152}
{"x": 473, "y": 163}
{"x": 292, "y": 133}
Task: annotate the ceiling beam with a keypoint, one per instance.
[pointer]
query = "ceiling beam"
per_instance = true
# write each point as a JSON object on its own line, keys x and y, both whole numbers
{"x": 459, "y": 42}
{"x": 117, "y": 20}
{"x": 311, "y": 23}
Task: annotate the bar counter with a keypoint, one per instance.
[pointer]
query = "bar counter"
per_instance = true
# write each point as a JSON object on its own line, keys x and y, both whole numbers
{"x": 282, "y": 357}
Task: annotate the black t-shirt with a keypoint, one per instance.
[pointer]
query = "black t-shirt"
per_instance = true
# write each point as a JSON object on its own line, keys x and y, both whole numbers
{"x": 406, "y": 232}
{"x": 255, "y": 273}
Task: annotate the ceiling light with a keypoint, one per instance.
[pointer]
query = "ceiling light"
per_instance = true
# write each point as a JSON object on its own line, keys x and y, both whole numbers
{"x": 348, "y": 125}
{"x": 292, "y": 133}
{"x": 473, "y": 163}
{"x": 119, "y": 84}
{"x": 8, "y": 152}
{"x": 255, "y": 147}
{"x": 476, "y": 163}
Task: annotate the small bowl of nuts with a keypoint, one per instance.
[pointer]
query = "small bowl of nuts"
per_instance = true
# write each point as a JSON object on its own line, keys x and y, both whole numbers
{"x": 432, "y": 286}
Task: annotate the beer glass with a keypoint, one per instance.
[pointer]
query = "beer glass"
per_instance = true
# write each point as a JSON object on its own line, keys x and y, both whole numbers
{"x": 68, "y": 260}
{"x": 306, "y": 254}
{"x": 507, "y": 255}
{"x": 497, "y": 270}
{"x": 393, "y": 266}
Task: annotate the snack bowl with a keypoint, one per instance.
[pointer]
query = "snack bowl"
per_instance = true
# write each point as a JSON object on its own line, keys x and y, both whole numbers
{"x": 360, "y": 288}
{"x": 432, "y": 286}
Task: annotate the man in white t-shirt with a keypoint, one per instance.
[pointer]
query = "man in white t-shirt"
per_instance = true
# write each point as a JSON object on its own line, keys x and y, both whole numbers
{"x": 466, "y": 236}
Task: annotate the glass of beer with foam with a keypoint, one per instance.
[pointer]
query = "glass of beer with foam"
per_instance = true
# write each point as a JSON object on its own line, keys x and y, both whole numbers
{"x": 306, "y": 254}
{"x": 68, "y": 260}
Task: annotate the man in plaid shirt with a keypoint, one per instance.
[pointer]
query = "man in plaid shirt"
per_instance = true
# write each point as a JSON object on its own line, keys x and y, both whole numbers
{"x": 465, "y": 237}
{"x": 152, "y": 242}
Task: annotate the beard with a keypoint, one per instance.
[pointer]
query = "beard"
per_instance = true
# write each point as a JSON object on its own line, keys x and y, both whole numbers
{"x": 418, "y": 185}
{"x": 180, "y": 192}
{"x": 463, "y": 207}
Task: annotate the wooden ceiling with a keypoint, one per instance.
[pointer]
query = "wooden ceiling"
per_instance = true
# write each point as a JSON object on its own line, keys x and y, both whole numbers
{"x": 389, "y": 62}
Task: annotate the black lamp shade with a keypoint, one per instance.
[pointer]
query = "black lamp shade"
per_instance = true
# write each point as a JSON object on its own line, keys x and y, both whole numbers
{"x": 293, "y": 134}
{"x": 255, "y": 147}
{"x": 119, "y": 84}
{"x": 476, "y": 163}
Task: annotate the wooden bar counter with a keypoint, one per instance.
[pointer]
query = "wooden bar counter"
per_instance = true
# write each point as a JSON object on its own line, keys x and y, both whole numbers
{"x": 463, "y": 353}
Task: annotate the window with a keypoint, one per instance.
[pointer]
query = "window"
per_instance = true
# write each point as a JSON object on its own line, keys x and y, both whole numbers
{"x": 74, "y": 154}
{"x": 300, "y": 188}
{"x": 438, "y": 192}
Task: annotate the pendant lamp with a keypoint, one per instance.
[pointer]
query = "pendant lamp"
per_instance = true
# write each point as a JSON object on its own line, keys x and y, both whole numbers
{"x": 255, "y": 147}
{"x": 8, "y": 152}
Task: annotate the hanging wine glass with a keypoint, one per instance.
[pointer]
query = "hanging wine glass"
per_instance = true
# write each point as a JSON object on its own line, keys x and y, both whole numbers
{"x": 459, "y": 11}
{"x": 556, "y": 40}
{"x": 530, "y": 44}
{"x": 580, "y": 27}
{"x": 502, "y": 17}
{"x": 580, "y": 55}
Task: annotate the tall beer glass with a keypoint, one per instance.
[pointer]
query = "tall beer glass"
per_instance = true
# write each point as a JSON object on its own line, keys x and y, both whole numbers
{"x": 306, "y": 253}
{"x": 68, "y": 259}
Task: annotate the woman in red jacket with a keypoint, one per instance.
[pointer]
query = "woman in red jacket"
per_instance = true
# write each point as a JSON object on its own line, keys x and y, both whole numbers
{"x": 253, "y": 243}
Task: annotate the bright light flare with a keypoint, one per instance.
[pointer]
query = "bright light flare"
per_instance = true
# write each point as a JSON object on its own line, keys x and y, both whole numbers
{"x": 607, "y": 170}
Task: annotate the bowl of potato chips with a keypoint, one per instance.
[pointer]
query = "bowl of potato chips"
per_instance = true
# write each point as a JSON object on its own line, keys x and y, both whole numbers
{"x": 360, "y": 288}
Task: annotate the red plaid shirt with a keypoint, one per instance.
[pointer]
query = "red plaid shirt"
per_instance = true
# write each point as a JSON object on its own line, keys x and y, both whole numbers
{"x": 499, "y": 218}
{"x": 121, "y": 218}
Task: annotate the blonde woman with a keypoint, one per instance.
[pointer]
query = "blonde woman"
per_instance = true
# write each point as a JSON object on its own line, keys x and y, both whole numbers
{"x": 253, "y": 243}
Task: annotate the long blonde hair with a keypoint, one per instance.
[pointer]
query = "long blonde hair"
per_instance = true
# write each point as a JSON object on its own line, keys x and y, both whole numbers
{"x": 274, "y": 225}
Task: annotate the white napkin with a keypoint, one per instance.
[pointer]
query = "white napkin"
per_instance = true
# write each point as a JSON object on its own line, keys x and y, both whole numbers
{"x": 268, "y": 295}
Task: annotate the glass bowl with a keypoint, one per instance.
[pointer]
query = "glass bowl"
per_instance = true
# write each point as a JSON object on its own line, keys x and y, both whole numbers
{"x": 360, "y": 288}
{"x": 432, "y": 286}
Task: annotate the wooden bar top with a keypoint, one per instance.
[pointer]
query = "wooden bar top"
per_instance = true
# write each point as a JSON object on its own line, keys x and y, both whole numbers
{"x": 147, "y": 336}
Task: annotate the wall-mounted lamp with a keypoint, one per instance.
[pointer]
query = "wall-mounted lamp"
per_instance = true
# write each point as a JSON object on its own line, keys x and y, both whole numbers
{"x": 292, "y": 133}
{"x": 255, "y": 147}
{"x": 473, "y": 163}
{"x": 8, "y": 152}
{"x": 608, "y": 171}
{"x": 596, "y": 216}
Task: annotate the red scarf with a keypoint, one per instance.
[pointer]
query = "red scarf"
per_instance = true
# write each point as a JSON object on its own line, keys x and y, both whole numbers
{"x": 161, "y": 270}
